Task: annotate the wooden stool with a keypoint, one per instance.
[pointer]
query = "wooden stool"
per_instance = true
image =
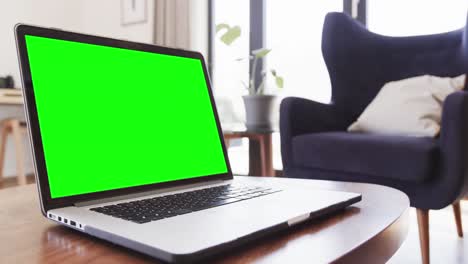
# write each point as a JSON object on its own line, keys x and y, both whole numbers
{"x": 17, "y": 128}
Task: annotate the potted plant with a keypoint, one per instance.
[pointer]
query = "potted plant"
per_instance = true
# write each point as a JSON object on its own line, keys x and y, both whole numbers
{"x": 258, "y": 105}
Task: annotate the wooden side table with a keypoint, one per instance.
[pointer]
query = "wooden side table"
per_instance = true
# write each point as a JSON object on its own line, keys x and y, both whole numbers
{"x": 260, "y": 150}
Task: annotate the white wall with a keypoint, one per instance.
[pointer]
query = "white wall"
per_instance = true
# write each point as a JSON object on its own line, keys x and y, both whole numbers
{"x": 102, "y": 17}
{"x": 199, "y": 27}
{"x": 87, "y": 16}
{"x": 49, "y": 13}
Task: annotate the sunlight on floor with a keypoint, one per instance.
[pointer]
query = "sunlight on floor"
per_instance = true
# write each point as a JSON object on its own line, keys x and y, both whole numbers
{"x": 446, "y": 246}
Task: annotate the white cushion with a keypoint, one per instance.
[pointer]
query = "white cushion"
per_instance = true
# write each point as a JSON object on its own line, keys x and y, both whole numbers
{"x": 410, "y": 107}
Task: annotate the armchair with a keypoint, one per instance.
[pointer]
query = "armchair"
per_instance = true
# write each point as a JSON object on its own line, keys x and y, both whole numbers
{"x": 433, "y": 172}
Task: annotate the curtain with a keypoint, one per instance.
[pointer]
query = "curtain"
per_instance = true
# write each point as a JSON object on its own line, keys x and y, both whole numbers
{"x": 172, "y": 23}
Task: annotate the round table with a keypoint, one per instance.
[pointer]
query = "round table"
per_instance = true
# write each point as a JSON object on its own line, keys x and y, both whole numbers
{"x": 370, "y": 231}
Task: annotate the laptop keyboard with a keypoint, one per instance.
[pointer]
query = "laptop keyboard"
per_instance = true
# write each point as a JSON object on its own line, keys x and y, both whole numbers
{"x": 152, "y": 209}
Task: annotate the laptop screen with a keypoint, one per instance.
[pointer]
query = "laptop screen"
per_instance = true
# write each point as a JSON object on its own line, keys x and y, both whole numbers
{"x": 113, "y": 118}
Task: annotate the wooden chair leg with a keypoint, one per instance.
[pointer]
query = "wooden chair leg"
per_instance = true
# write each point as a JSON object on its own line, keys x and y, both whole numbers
{"x": 458, "y": 221}
{"x": 3, "y": 134}
{"x": 423, "y": 226}
{"x": 262, "y": 157}
{"x": 18, "y": 139}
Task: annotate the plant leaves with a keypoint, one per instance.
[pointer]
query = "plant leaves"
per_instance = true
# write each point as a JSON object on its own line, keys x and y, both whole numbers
{"x": 231, "y": 35}
{"x": 251, "y": 87}
{"x": 245, "y": 85}
{"x": 222, "y": 26}
{"x": 279, "y": 81}
{"x": 260, "y": 53}
{"x": 261, "y": 87}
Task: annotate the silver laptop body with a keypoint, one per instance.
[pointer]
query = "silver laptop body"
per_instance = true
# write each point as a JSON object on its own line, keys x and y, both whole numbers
{"x": 262, "y": 205}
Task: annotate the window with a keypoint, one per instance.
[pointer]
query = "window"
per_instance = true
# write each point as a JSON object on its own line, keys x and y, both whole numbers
{"x": 293, "y": 29}
{"x": 415, "y": 17}
{"x": 228, "y": 72}
{"x": 294, "y": 33}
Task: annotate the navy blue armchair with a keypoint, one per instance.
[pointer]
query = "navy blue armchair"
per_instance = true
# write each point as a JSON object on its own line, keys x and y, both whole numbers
{"x": 315, "y": 144}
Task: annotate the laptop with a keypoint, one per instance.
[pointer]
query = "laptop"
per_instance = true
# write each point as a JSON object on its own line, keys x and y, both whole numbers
{"x": 128, "y": 147}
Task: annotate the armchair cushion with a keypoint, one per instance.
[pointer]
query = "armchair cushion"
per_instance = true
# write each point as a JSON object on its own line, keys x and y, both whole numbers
{"x": 394, "y": 157}
{"x": 408, "y": 107}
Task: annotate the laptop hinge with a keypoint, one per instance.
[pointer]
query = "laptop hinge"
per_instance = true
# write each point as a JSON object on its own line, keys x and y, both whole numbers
{"x": 152, "y": 192}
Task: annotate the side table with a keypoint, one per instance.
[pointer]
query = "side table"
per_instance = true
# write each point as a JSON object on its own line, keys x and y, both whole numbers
{"x": 260, "y": 150}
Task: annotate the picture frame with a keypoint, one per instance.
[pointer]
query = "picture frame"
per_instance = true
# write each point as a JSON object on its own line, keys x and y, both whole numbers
{"x": 133, "y": 12}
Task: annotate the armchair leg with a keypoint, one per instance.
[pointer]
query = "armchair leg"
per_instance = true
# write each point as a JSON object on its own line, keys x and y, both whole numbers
{"x": 458, "y": 221}
{"x": 423, "y": 225}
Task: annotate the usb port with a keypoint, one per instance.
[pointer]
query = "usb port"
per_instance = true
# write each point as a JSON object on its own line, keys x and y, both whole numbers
{"x": 72, "y": 223}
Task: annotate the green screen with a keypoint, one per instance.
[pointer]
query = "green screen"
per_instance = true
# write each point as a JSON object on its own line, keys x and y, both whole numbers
{"x": 112, "y": 118}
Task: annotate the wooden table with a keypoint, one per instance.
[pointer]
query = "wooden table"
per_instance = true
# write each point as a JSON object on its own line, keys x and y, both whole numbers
{"x": 260, "y": 150}
{"x": 368, "y": 232}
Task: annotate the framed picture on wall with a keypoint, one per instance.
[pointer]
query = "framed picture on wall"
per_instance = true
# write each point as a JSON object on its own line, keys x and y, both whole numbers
{"x": 133, "y": 12}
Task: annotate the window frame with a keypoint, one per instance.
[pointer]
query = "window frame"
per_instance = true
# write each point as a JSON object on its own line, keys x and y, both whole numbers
{"x": 258, "y": 27}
